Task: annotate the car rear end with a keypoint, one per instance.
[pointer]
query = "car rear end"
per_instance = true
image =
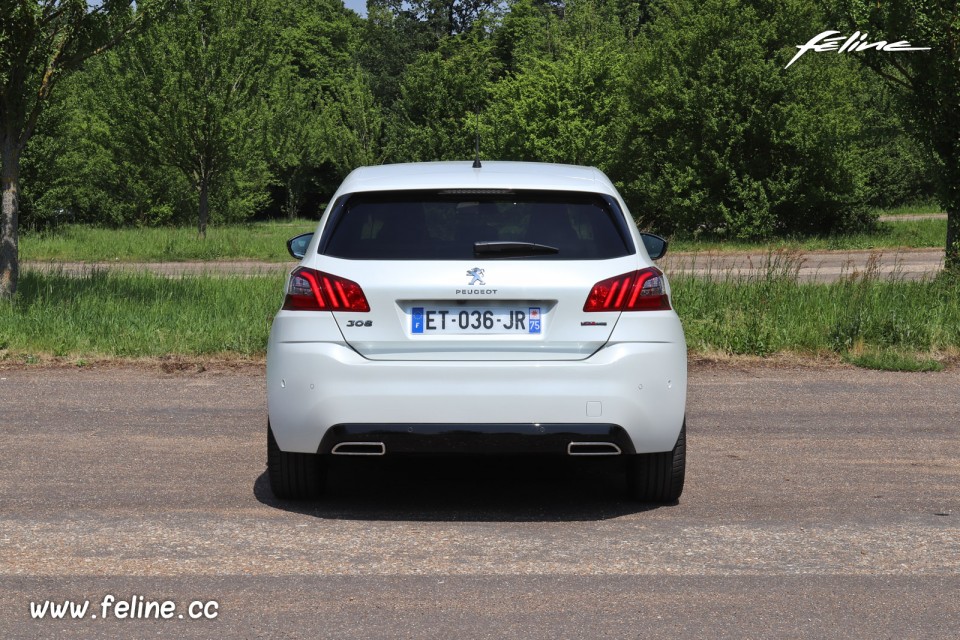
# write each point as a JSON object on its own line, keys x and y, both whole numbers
{"x": 443, "y": 309}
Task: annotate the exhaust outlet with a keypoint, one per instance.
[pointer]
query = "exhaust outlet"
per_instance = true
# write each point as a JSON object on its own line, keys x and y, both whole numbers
{"x": 359, "y": 449}
{"x": 593, "y": 449}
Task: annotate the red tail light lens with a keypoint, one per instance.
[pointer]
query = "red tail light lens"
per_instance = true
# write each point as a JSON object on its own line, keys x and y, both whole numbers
{"x": 642, "y": 290}
{"x": 311, "y": 290}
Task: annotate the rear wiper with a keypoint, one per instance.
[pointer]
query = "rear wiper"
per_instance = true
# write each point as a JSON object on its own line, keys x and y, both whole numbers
{"x": 511, "y": 249}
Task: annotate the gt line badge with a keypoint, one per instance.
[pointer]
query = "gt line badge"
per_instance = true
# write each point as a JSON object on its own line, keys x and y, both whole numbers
{"x": 477, "y": 274}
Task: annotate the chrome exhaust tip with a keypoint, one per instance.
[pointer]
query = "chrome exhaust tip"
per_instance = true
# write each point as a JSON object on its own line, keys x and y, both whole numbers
{"x": 593, "y": 449}
{"x": 359, "y": 449}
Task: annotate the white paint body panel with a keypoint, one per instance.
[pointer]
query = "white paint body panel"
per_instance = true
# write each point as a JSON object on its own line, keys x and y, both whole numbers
{"x": 631, "y": 372}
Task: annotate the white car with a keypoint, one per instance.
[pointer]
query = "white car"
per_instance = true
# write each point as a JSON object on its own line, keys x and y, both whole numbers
{"x": 445, "y": 309}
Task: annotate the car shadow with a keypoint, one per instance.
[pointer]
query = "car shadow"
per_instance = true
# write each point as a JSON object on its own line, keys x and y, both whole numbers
{"x": 465, "y": 489}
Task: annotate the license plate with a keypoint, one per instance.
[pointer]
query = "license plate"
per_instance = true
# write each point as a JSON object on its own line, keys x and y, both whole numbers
{"x": 458, "y": 320}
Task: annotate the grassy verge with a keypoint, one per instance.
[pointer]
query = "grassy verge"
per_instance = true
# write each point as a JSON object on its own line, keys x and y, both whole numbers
{"x": 138, "y": 315}
{"x": 911, "y": 209}
{"x": 912, "y": 234}
{"x": 868, "y": 322}
{"x": 875, "y": 323}
{"x": 266, "y": 241}
{"x": 256, "y": 241}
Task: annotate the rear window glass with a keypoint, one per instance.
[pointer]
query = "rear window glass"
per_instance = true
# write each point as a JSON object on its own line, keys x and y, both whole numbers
{"x": 446, "y": 225}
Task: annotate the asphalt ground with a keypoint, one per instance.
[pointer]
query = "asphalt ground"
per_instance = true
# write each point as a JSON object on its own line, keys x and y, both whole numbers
{"x": 819, "y": 503}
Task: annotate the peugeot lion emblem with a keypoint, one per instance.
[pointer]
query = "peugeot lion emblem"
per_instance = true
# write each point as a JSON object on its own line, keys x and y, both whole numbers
{"x": 477, "y": 274}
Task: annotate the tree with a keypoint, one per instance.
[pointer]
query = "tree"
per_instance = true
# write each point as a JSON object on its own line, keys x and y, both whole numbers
{"x": 359, "y": 125}
{"x": 392, "y": 39}
{"x": 723, "y": 140}
{"x": 197, "y": 99}
{"x": 42, "y": 41}
{"x": 565, "y": 102}
{"x": 321, "y": 112}
{"x": 443, "y": 17}
{"x": 440, "y": 93}
{"x": 928, "y": 82}
{"x": 84, "y": 166}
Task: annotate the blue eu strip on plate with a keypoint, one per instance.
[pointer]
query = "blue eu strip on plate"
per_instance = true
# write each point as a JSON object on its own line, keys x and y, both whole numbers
{"x": 417, "y": 314}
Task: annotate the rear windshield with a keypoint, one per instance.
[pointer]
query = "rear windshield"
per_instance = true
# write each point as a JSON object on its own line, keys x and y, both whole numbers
{"x": 447, "y": 225}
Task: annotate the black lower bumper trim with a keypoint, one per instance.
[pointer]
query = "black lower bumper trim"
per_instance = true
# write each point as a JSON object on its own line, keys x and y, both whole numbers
{"x": 477, "y": 438}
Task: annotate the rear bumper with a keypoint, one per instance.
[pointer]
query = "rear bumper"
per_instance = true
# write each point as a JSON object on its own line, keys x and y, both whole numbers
{"x": 430, "y": 438}
{"x": 638, "y": 386}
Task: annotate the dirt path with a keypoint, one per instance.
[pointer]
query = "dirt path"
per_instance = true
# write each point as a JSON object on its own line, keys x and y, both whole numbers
{"x": 820, "y": 266}
{"x": 170, "y": 269}
{"x": 913, "y": 216}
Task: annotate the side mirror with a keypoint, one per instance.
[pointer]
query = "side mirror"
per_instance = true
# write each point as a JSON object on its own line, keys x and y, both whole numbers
{"x": 297, "y": 246}
{"x": 655, "y": 245}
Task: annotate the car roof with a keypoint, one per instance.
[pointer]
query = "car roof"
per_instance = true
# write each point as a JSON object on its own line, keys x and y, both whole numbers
{"x": 492, "y": 175}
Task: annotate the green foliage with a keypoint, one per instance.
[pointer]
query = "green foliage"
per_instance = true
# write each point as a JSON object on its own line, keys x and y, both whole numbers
{"x": 80, "y": 168}
{"x": 391, "y": 41}
{"x": 526, "y": 31}
{"x": 900, "y": 169}
{"x": 260, "y": 107}
{"x": 190, "y": 94}
{"x": 725, "y": 141}
{"x": 166, "y": 125}
{"x": 565, "y": 102}
{"x": 443, "y": 18}
{"x": 928, "y": 85}
{"x": 41, "y": 43}
{"x": 440, "y": 94}
{"x": 223, "y": 99}
{"x": 321, "y": 116}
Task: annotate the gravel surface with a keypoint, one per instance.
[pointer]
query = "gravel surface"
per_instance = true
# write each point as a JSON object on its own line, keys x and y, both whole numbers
{"x": 819, "y": 502}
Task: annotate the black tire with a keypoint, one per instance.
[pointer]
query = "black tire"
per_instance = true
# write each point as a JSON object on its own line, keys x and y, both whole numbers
{"x": 658, "y": 477}
{"x": 293, "y": 475}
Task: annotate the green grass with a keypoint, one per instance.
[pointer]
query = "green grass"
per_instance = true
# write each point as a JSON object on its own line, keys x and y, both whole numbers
{"x": 911, "y": 209}
{"x": 265, "y": 241}
{"x": 774, "y": 313}
{"x": 138, "y": 315}
{"x": 868, "y": 321}
{"x": 912, "y": 234}
{"x": 892, "y": 360}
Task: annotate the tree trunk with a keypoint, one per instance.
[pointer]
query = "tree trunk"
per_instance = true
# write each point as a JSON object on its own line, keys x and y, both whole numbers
{"x": 9, "y": 180}
{"x": 294, "y": 193}
{"x": 292, "y": 205}
{"x": 204, "y": 207}
{"x": 952, "y": 261}
{"x": 950, "y": 199}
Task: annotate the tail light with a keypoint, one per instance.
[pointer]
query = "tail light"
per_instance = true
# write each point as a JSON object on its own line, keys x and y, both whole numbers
{"x": 311, "y": 290}
{"x": 642, "y": 290}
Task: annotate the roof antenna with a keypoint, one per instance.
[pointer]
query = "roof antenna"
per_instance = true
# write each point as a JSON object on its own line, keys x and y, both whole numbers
{"x": 476, "y": 160}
